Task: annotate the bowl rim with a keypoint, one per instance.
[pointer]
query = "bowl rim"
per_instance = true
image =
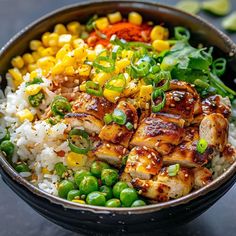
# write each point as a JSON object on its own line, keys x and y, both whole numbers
{"x": 217, "y": 183}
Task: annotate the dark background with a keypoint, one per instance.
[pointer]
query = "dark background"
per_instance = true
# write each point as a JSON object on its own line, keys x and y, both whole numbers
{"x": 17, "y": 218}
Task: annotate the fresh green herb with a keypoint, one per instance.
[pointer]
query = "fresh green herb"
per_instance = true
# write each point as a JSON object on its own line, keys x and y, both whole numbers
{"x": 106, "y": 60}
{"x": 173, "y": 170}
{"x": 60, "y": 169}
{"x": 129, "y": 126}
{"x": 90, "y": 24}
{"x": 181, "y": 33}
{"x": 34, "y": 81}
{"x": 108, "y": 119}
{"x": 119, "y": 117}
{"x": 219, "y": 66}
{"x": 93, "y": 88}
{"x": 36, "y": 100}
{"x": 202, "y": 145}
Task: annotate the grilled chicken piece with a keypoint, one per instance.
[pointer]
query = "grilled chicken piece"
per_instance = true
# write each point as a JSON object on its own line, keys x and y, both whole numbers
{"x": 88, "y": 122}
{"x": 217, "y": 104}
{"x": 143, "y": 163}
{"x": 119, "y": 134}
{"x": 110, "y": 153}
{"x": 202, "y": 177}
{"x": 155, "y": 132}
{"x": 191, "y": 134}
{"x": 92, "y": 105}
{"x": 176, "y": 119}
{"x": 214, "y": 129}
{"x": 165, "y": 187}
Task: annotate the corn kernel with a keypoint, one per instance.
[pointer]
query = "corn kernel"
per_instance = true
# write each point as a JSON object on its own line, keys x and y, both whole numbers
{"x": 145, "y": 95}
{"x": 35, "y": 44}
{"x": 91, "y": 55}
{"x": 74, "y": 27}
{"x": 23, "y": 70}
{"x": 45, "y": 39}
{"x": 69, "y": 70}
{"x": 63, "y": 51}
{"x": 45, "y": 171}
{"x": 84, "y": 70}
{"x": 78, "y": 201}
{"x": 60, "y": 29}
{"x": 50, "y": 51}
{"x": 114, "y": 17}
{"x": 135, "y": 18}
{"x": 111, "y": 95}
{"x": 46, "y": 62}
{"x": 127, "y": 54}
{"x": 16, "y": 76}
{"x": 28, "y": 58}
{"x": 158, "y": 32}
{"x": 80, "y": 52}
{"x": 76, "y": 160}
{"x": 101, "y": 78}
{"x": 161, "y": 45}
{"x": 68, "y": 60}
{"x": 17, "y": 62}
{"x": 40, "y": 50}
{"x": 102, "y": 23}
{"x": 25, "y": 115}
{"x": 32, "y": 67}
{"x": 121, "y": 65}
{"x": 33, "y": 89}
{"x": 78, "y": 42}
{"x": 64, "y": 39}
{"x": 33, "y": 75}
{"x": 132, "y": 87}
{"x": 36, "y": 55}
{"x": 82, "y": 87}
{"x": 53, "y": 39}
{"x": 58, "y": 68}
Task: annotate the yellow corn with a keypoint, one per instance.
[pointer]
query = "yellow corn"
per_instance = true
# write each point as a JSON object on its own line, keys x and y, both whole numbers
{"x": 58, "y": 68}
{"x": 63, "y": 51}
{"x": 16, "y": 76}
{"x": 33, "y": 75}
{"x": 102, "y": 23}
{"x": 135, "y": 18}
{"x": 91, "y": 55}
{"x": 78, "y": 201}
{"x": 32, "y": 67}
{"x": 111, "y": 95}
{"x": 68, "y": 60}
{"x": 45, "y": 39}
{"x": 121, "y": 65}
{"x": 84, "y": 70}
{"x": 28, "y": 58}
{"x": 82, "y": 87}
{"x": 25, "y": 115}
{"x": 35, "y": 44}
{"x": 33, "y": 89}
{"x": 50, "y": 51}
{"x": 127, "y": 54}
{"x": 40, "y": 50}
{"x": 53, "y": 39}
{"x": 131, "y": 88}
{"x": 64, "y": 39}
{"x": 158, "y": 32}
{"x": 161, "y": 45}
{"x": 17, "y": 62}
{"x": 69, "y": 70}
{"x": 74, "y": 27}
{"x": 45, "y": 171}
{"x": 23, "y": 70}
{"x": 36, "y": 55}
{"x": 46, "y": 62}
{"x": 60, "y": 29}
{"x": 80, "y": 52}
{"x": 101, "y": 78}
{"x": 78, "y": 42}
{"x": 76, "y": 160}
{"x": 114, "y": 17}
{"x": 145, "y": 95}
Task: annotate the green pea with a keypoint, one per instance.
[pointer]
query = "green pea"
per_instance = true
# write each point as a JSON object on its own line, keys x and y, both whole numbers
{"x": 107, "y": 191}
{"x": 79, "y": 175}
{"x": 96, "y": 199}
{"x": 109, "y": 177}
{"x": 114, "y": 202}
{"x": 88, "y": 184}
{"x": 64, "y": 188}
{"x": 138, "y": 203}
{"x": 128, "y": 196}
{"x": 22, "y": 167}
{"x": 7, "y": 147}
{"x": 5, "y": 134}
{"x": 60, "y": 169}
{"x": 73, "y": 194}
{"x": 118, "y": 187}
{"x": 97, "y": 167}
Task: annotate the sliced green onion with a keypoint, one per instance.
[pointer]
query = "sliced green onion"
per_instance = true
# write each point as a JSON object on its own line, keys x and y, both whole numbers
{"x": 90, "y": 26}
{"x": 156, "y": 93}
{"x": 143, "y": 66}
{"x": 79, "y": 141}
{"x": 34, "y": 81}
{"x": 219, "y": 66}
{"x": 107, "y": 69}
{"x": 60, "y": 106}
{"x": 129, "y": 126}
{"x": 201, "y": 83}
{"x": 181, "y": 33}
{"x": 108, "y": 119}
{"x": 119, "y": 79}
{"x": 116, "y": 41}
{"x": 202, "y": 145}
{"x": 36, "y": 100}
{"x": 139, "y": 44}
{"x": 115, "y": 51}
{"x": 119, "y": 117}
{"x": 163, "y": 75}
{"x": 173, "y": 169}
{"x": 93, "y": 88}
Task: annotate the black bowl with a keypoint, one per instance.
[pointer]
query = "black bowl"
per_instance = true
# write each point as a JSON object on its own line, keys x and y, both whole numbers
{"x": 92, "y": 219}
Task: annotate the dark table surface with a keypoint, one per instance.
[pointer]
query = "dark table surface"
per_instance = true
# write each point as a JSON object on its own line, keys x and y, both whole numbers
{"x": 18, "y": 219}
